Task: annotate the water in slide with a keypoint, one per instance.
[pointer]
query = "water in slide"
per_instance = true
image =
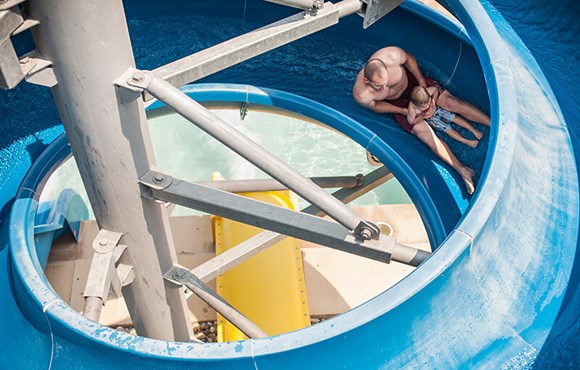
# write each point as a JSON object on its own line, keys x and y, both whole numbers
{"x": 505, "y": 269}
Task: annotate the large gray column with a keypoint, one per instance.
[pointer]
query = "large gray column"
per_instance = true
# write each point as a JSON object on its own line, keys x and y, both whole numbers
{"x": 88, "y": 43}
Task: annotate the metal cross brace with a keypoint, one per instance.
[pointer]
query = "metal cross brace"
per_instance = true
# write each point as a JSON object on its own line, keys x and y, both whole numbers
{"x": 284, "y": 221}
{"x": 183, "y": 276}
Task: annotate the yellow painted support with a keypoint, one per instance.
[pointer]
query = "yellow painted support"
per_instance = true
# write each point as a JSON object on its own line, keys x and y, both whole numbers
{"x": 269, "y": 288}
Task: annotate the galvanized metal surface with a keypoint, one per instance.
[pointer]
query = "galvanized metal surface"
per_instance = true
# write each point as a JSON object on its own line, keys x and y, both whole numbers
{"x": 183, "y": 276}
{"x": 231, "y": 52}
{"x": 376, "y": 9}
{"x": 243, "y": 186}
{"x": 254, "y": 153}
{"x": 281, "y": 220}
{"x": 111, "y": 145}
{"x": 243, "y": 251}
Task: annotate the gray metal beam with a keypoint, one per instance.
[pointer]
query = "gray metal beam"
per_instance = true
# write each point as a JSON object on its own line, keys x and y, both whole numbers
{"x": 249, "y": 45}
{"x": 300, "y": 4}
{"x": 183, "y": 276}
{"x": 265, "y": 239}
{"x": 245, "y": 186}
{"x": 111, "y": 145}
{"x": 263, "y": 215}
{"x": 251, "y": 151}
{"x": 10, "y": 72}
{"x": 373, "y": 10}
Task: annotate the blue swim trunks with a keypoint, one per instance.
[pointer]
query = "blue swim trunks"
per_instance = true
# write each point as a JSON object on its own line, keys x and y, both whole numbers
{"x": 441, "y": 120}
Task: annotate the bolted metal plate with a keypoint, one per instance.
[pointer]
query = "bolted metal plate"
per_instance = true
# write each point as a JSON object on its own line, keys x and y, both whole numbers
{"x": 376, "y": 9}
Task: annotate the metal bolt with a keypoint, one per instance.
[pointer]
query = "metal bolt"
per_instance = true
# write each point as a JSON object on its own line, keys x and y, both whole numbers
{"x": 158, "y": 179}
{"x": 179, "y": 274}
{"x": 365, "y": 234}
{"x": 24, "y": 60}
{"x": 103, "y": 242}
{"x": 137, "y": 77}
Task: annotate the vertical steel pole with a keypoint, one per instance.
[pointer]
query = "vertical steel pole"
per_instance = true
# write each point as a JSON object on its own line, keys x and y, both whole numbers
{"x": 88, "y": 43}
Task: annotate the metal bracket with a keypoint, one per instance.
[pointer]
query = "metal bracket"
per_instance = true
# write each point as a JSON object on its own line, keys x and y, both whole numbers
{"x": 376, "y": 9}
{"x": 106, "y": 241}
{"x": 132, "y": 84}
{"x": 104, "y": 280}
{"x": 367, "y": 230}
{"x": 7, "y": 4}
{"x": 156, "y": 180}
{"x": 37, "y": 70}
{"x": 10, "y": 20}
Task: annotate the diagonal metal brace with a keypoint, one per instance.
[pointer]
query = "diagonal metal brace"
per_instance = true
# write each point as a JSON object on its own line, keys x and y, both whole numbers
{"x": 249, "y": 150}
{"x": 183, "y": 276}
{"x": 263, "y": 215}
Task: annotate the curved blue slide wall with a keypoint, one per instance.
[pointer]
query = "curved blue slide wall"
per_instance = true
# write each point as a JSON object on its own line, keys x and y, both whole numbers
{"x": 487, "y": 298}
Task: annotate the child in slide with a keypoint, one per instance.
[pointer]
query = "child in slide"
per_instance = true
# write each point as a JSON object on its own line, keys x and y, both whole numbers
{"x": 423, "y": 106}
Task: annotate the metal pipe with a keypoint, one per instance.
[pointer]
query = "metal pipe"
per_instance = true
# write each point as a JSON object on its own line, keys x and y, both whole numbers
{"x": 300, "y": 4}
{"x": 409, "y": 255}
{"x": 200, "y": 289}
{"x": 93, "y": 307}
{"x": 246, "y": 186}
{"x": 254, "y": 153}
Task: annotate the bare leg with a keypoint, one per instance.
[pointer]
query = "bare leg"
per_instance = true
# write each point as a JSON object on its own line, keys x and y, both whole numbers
{"x": 467, "y": 110}
{"x": 457, "y": 136}
{"x": 460, "y": 121}
{"x": 425, "y": 133}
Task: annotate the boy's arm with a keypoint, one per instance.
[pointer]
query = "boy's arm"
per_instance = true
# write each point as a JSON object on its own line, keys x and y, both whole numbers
{"x": 410, "y": 113}
{"x": 434, "y": 92}
{"x": 412, "y": 117}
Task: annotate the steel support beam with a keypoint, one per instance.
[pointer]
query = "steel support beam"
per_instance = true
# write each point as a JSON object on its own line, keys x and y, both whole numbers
{"x": 251, "y": 151}
{"x": 183, "y": 276}
{"x": 236, "y": 207}
{"x": 245, "y": 186}
{"x": 300, "y": 4}
{"x": 10, "y": 72}
{"x": 111, "y": 145}
{"x": 265, "y": 239}
{"x": 249, "y": 45}
{"x": 373, "y": 10}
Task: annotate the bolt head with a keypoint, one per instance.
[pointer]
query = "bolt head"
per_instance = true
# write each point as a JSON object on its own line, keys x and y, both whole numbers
{"x": 158, "y": 179}
{"x": 103, "y": 242}
{"x": 137, "y": 77}
{"x": 179, "y": 274}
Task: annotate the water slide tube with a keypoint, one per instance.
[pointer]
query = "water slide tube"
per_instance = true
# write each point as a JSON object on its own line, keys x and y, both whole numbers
{"x": 499, "y": 291}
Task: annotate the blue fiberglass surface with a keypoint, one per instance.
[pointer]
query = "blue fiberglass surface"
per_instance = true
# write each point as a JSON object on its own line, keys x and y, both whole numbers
{"x": 487, "y": 298}
{"x": 550, "y": 31}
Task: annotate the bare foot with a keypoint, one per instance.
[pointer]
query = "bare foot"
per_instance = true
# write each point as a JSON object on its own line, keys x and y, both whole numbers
{"x": 477, "y": 134}
{"x": 472, "y": 143}
{"x": 467, "y": 175}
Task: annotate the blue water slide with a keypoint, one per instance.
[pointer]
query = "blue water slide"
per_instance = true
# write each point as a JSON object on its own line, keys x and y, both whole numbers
{"x": 501, "y": 289}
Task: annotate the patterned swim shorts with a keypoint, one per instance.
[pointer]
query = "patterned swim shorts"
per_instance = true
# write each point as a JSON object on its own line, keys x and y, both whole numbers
{"x": 441, "y": 120}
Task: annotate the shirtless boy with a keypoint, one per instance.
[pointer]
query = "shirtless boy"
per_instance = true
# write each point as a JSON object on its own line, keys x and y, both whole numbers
{"x": 384, "y": 86}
